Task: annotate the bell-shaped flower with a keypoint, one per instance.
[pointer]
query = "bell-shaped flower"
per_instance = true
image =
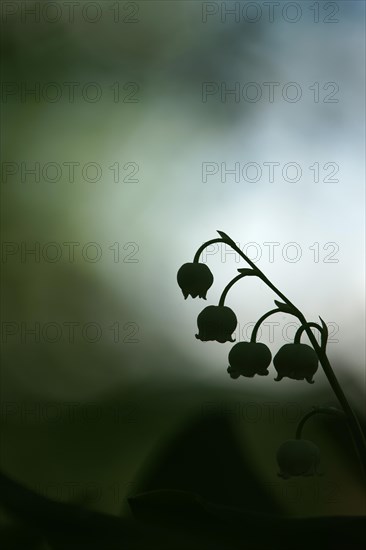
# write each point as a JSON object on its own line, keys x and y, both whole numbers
{"x": 248, "y": 359}
{"x": 194, "y": 279}
{"x": 216, "y": 323}
{"x": 298, "y": 457}
{"x": 296, "y": 361}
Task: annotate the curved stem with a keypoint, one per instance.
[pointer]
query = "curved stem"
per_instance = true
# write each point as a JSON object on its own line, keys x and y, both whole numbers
{"x": 354, "y": 425}
{"x": 205, "y": 245}
{"x": 259, "y": 273}
{"x": 317, "y": 410}
{"x": 227, "y": 288}
{"x": 301, "y": 329}
{"x": 260, "y": 321}
{"x": 325, "y": 410}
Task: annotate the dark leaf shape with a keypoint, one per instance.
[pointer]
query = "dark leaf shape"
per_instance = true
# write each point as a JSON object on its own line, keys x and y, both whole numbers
{"x": 207, "y": 456}
{"x": 226, "y": 238}
{"x": 247, "y": 271}
{"x": 325, "y": 334}
{"x": 223, "y": 235}
{"x": 286, "y": 308}
{"x": 227, "y": 527}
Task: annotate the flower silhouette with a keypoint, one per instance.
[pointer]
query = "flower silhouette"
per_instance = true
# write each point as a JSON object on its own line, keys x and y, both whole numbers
{"x": 296, "y": 361}
{"x": 298, "y": 457}
{"x": 216, "y": 323}
{"x": 248, "y": 359}
{"x": 194, "y": 279}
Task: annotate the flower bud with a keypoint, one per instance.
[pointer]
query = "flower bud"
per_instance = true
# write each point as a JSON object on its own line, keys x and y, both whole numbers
{"x": 298, "y": 457}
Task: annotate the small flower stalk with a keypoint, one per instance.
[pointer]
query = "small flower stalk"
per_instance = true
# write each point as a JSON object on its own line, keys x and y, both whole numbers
{"x": 296, "y": 361}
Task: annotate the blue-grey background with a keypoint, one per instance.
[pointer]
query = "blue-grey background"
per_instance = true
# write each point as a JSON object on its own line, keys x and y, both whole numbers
{"x": 157, "y": 374}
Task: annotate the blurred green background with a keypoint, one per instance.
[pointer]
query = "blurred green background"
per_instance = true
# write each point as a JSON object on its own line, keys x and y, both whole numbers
{"x": 84, "y": 416}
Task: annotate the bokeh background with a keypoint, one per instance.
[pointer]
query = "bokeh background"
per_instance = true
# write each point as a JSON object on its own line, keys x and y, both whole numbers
{"x": 82, "y": 419}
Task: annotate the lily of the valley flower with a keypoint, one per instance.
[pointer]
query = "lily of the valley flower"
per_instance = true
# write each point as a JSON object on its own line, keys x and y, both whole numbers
{"x": 216, "y": 323}
{"x": 298, "y": 457}
{"x": 296, "y": 361}
{"x": 248, "y": 359}
{"x": 194, "y": 279}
